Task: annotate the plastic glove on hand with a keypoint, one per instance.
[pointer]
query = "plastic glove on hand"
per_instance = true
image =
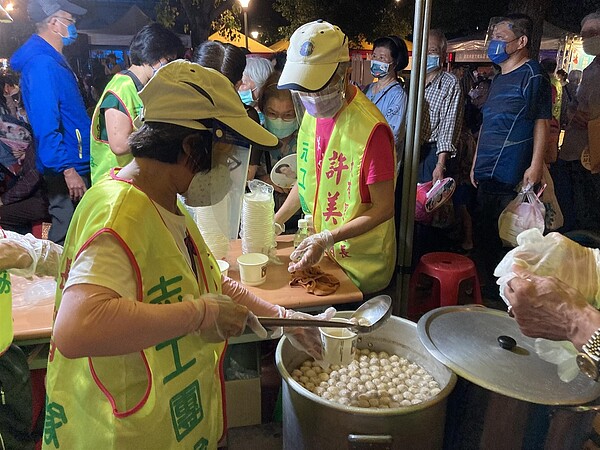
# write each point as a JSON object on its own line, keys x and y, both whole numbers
{"x": 222, "y": 318}
{"x": 307, "y": 339}
{"x": 278, "y": 228}
{"x": 311, "y": 251}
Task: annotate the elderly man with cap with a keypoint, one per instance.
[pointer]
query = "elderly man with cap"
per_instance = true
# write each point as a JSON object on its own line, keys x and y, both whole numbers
{"x": 345, "y": 162}
{"x": 142, "y": 312}
{"x": 61, "y": 126}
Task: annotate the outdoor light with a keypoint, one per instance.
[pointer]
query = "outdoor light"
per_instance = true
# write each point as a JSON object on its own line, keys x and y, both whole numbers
{"x": 254, "y": 34}
{"x": 4, "y": 16}
{"x": 244, "y": 4}
{"x": 10, "y": 6}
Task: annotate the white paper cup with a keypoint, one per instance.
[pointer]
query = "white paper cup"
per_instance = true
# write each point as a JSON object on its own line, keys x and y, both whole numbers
{"x": 223, "y": 267}
{"x": 253, "y": 268}
{"x": 339, "y": 344}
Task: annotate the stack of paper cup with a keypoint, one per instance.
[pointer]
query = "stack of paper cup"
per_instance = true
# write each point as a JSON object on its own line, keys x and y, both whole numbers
{"x": 257, "y": 219}
{"x": 210, "y": 220}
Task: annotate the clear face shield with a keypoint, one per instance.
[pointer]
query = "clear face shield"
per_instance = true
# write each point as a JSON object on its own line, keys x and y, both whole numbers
{"x": 214, "y": 198}
{"x": 499, "y": 34}
{"x": 325, "y": 103}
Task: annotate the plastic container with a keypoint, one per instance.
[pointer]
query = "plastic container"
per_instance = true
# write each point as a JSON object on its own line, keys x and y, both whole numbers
{"x": 311, "y": 226}
{"x": 302, "y": 232}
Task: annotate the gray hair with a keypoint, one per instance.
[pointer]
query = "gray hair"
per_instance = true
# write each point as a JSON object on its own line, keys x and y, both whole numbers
{"x": 258, "y": 70}
{"x": 442, "y": 38}
{"x": 592, "y": 16}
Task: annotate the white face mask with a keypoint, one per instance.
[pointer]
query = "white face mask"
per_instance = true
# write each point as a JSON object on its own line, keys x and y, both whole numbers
{"x": 208, "y": 188}
{"x": 591, "y": 45}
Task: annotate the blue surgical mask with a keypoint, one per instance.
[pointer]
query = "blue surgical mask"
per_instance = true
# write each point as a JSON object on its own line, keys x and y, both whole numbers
{"x": 246, "y": 96}
{"x": 433, "y": 62}
{"x": 497, "y": 50}
{"x": 379, "y": 69}
{"x": 71, "y": 36}
{"x": 281, "y": 128}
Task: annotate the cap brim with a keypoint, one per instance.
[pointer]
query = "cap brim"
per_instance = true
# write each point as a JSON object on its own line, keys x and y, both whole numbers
{"x": 306, "y": 77}
{"x": 249, "y": 129}
{"x": 72, "y": 8}
{"x": 245, "y": 127}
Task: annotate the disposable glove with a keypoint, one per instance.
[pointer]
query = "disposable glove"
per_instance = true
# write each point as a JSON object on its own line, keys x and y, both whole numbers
{"x": 223, "y": 318}
{"x": 27, "y": 255}
{"x": 278, "y": 228}
{"x": 557, "y": 256}
{"x": 307, "y": 339}
{"x": 311, "y": 251}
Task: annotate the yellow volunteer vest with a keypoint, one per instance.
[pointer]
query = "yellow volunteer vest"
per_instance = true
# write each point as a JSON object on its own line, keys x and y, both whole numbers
{"x": 181, "y": 400}
{"x": 6, "y": 320}
{"x": 331, "y": 193}
{"x": 102, "y": 159}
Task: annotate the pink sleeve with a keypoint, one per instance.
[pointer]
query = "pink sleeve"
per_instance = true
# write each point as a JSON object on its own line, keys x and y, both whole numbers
{"x": 378, "y": 162}
{"x": 239, "y": 294}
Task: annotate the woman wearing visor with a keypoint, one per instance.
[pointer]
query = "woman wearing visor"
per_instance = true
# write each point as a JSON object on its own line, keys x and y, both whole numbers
{"x": 389, "y": 57}
{"x": 142, "y": 312}
{"x": 345, "y": 163}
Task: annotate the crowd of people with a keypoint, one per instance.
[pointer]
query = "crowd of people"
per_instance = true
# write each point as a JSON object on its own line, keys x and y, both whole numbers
{"x": 109, "y": 185}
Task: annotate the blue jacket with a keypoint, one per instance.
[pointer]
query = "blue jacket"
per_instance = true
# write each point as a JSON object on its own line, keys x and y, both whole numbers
{"x": 54, "y": 107}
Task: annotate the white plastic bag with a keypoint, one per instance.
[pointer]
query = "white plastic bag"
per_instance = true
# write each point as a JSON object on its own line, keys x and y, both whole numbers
{"x": 526, "y": 211}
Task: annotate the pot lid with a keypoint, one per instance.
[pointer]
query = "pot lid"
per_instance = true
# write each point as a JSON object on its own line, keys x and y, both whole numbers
{"x": 465, "y": 338}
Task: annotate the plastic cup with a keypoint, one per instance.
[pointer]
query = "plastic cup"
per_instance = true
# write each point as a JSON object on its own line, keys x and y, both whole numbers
{"x": 339, "y": 344}
{"x": 253, "y": 268}
{"x": 223, "y": 267}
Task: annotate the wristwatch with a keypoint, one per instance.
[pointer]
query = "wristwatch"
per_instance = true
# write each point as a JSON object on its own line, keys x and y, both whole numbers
{"x": 588, "y": 359}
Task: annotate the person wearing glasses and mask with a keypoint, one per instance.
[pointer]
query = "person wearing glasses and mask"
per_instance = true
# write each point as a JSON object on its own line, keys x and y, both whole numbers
{"x": 389, "y": 57}
{"x": 55, "y": 108}
{"x": 112, "y": 122}
{"x": 514, "y": 133}
{"x": 280, "y": 119}
{"x": 142, "y": 311}
{"x": 345, "y": 162}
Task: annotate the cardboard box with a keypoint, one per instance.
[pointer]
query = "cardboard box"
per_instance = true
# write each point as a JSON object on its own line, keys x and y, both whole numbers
{"x": 243, "y": 396}
{"x": 243, "y": 402}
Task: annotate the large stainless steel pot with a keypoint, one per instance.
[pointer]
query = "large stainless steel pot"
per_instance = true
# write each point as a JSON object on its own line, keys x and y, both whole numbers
{"x": 504, "y": 399}
{"x": 310, "y": 422}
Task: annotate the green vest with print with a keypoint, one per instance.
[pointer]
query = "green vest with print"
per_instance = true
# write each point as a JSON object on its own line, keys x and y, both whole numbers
{"x": 102, "y": 158}
{"x": 331, "y": 193}
{"x": 167, "y": 396}
{"x": 6, "y": 320}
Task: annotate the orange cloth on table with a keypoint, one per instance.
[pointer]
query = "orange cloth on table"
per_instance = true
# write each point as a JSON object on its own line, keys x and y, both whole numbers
{"x": 315, "y": 281}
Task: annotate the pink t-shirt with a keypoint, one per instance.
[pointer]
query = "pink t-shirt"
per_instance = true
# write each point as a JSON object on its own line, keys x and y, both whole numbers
{"x": 378, "y": 161}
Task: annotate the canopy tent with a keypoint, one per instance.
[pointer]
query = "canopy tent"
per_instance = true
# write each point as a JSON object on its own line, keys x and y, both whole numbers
{"x": 239, "y": 40}
{"x": 4, "y": 16}
{"x": 122, "y": 31}
{"x": 280, "y": 46}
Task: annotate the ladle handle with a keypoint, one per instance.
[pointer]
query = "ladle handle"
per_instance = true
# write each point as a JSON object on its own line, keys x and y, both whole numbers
{"x": 279, "y": 322}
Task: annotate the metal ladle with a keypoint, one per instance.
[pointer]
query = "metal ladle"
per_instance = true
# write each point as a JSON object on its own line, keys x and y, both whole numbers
{"x": 368, "y": 317}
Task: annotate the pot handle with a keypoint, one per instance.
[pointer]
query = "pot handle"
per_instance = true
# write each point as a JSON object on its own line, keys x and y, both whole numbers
{"x": 369, "y": 441}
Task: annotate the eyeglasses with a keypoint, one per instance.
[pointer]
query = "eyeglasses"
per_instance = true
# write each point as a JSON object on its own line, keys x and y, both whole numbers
{"x": 68, "y": 19}
{"x": 287, "y": 117}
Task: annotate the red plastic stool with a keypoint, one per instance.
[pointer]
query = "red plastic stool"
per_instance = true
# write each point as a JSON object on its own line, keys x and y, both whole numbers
{"x": 449, "y": 269}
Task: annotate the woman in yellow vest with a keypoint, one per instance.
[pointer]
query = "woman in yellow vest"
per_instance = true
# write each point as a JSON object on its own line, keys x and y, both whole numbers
{"x": 112, "y": 122}
{"x": 22, "y": 256}
{"x": 142, "y": 313}
{"x": 345, "y": 162}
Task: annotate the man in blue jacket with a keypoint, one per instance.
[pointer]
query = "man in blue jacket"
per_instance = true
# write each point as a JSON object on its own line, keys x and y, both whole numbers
{"x": 55, "y": 108}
